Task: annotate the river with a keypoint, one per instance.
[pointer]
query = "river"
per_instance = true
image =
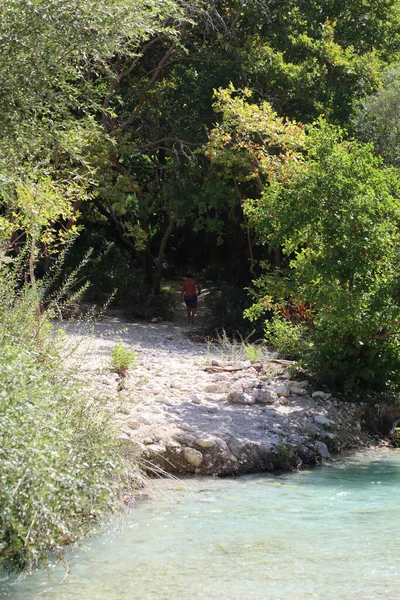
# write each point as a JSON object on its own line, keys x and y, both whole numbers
{"x": 328, "y": 533}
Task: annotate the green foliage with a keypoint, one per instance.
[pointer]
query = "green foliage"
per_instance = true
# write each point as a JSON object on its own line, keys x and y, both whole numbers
{"x": 288, "y": 338}
{"x": 60, "y": 463}
{"x": 253, "y": 353}
{"x": 122, "y": 358}
{"x": 337, "y": 222}
{"x": 378, "y": 118}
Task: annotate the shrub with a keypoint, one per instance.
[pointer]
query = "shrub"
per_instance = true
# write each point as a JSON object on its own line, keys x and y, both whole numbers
{"x": 60, "y": 462}
{"x": 253, "y": 353}
{"x": 337, "y": 221}
{"x": 286, "y": 337}
{"x": 122, "y": 358}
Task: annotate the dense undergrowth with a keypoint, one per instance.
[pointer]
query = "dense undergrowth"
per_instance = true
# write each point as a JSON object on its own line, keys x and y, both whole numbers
{"x": 61, "y": 468}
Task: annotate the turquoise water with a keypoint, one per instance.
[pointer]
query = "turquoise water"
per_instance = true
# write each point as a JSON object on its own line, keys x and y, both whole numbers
{"x": 330, "y": 533}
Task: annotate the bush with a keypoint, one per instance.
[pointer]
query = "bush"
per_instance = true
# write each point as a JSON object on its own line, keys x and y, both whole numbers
{"x": 337, "y": 221}
{"x": 288, "y": 338}
{"x": 60, "y": 462}
{"x": 253, "y": 353}
{"x": 122, "y": 358}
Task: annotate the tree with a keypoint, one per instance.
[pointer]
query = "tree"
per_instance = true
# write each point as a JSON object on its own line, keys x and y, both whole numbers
{"x": 377, "y": 119}
{"x": 337, "y": 221}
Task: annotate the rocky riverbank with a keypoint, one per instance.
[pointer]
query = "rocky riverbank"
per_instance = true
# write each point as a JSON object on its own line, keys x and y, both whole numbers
{"x": 190, "y": 408}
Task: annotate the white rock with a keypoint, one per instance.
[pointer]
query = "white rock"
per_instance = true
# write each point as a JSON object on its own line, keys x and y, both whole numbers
{"x": 321, "y": 395}
{"x": 241, "y": 364}
{"x": 215, "y": 388}
{"x": 221, "y": 443}
{"x": 205, "y": 443}
{"x": 185, "y": 427}
{"x": 249, "y": 383}
{"x": 265, "y": 396}
{"x": 145, "y": 420}
{"x": 217, "y": 363}
{"x": 301, "y": 384}
{"x": 241, "y": 398}
{"x": 282, "y": 391}
{"x": 298, "y": 391}
{"x": 322, "y": 449}
{"x": 193, "y": 457}
{"x": 322, "y": 420}
{"x": 156, "y": 448}
{"x": 195, "y": 399}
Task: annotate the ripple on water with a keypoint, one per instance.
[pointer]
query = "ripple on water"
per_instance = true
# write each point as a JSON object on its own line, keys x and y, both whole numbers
{"x": 328, "y": 533}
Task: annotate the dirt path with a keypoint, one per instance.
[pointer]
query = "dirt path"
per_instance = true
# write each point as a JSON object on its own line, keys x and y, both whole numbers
{"x": 189, "y": 409}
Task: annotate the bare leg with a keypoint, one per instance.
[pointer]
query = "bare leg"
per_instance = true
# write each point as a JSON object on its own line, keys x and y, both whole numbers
{"x": 193, "y": 314}
{"x": 188, "y": 314}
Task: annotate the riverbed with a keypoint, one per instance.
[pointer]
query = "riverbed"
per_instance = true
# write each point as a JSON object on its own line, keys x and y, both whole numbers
{"x": 324, "y": 533}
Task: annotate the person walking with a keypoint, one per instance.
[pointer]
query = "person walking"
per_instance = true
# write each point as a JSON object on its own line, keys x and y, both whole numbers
{"x": 189, "y": 293}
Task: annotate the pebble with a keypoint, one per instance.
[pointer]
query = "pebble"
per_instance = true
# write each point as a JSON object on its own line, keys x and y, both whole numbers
{"x": 282, "y": 391}
{"x": 241, "y": 398}
{"x": 193, "y": 457}
{"x": 205, "y": 443}
{"x": 322, "y": 420}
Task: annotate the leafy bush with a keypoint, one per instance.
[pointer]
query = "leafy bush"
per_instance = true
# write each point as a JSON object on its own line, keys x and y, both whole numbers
{"x": 286, "y": 337}
{"x": 337, "y": 222}
{"x": 122, "y": 358}
{"x": 60, "y": 462}
{"x": 253, "y": 353}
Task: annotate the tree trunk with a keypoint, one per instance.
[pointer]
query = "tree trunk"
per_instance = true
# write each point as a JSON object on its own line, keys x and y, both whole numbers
{"x": 161, "y": 254}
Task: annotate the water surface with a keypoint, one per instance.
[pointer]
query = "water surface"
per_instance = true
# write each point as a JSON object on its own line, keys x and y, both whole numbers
{"x": 329, "y": 533}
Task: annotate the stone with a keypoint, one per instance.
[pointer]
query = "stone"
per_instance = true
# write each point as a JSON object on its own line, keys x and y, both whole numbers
{"x": 298, "y": 391}
{"x": 156, "y": 449}
{"x": 221, "y": 443}
{"x": 144, "y": 420}
{"x": 265, "y": 396}
{"x": 321, "y": 395}
{"x": 193, "y": 457}
{"x": 215, "y": 388}
{"x": 172, "y": 444}
{"x": 241, "y": 398}
{"x": 282, "y": 391}
{"x": 185, "y": 427}
{"x": 322, "y": 420}
{"x": 195, "y": 399}
{"x": 241, "y": 364}
{"x": 301, "y": 384}
{"x": 133, "y": 424}
{"x": 249, "y": 384}
{"x": 322, "y": 449}
{"x": 205, "y": 443}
